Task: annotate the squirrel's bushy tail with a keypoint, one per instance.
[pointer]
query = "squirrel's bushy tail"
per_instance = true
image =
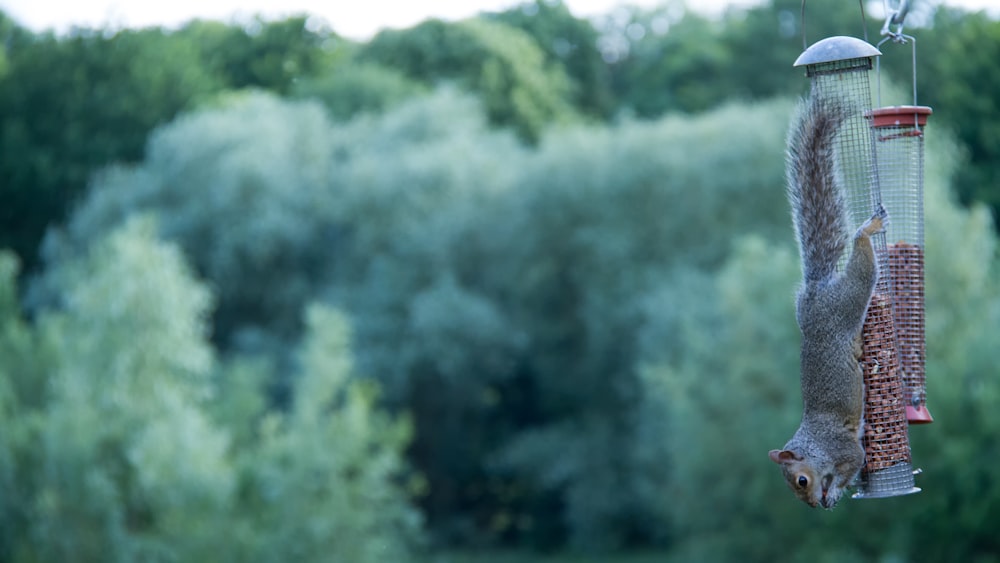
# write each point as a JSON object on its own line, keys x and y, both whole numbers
{"x": 817, "y": 202}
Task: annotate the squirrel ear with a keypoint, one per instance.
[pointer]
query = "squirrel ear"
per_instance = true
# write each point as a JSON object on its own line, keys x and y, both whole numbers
{"x": 783, "y": 456}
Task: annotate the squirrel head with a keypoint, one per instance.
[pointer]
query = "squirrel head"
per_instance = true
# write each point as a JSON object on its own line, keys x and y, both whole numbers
{"x": 814, "y": 484}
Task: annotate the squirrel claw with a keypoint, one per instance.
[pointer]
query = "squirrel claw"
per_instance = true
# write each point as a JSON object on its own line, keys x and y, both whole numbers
{"x": 878, "y": 222}
{"x": 882, "y": 214}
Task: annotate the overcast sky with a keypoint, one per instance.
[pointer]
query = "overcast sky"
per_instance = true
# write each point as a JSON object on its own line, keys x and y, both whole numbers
{"x": 357, "y": 19}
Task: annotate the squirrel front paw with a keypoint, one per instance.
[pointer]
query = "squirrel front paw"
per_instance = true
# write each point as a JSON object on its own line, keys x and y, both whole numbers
{"x": 877, "y": 222}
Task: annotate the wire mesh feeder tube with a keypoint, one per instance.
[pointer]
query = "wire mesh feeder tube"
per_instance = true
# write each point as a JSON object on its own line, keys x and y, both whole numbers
{"x": 888, "y": 469}
{"x": 839, "y": 71}
{"x": 899, "y": 137}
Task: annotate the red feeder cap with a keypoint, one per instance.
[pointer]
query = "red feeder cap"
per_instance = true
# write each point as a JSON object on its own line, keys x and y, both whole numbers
{"x": 899, "y": 116}
{"x": 918, "y": 415}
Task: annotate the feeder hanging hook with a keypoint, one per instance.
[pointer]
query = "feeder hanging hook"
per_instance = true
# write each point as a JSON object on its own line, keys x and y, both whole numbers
{"x": 895, "y": 18}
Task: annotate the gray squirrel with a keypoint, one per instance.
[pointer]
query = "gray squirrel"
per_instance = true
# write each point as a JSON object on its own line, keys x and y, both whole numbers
{"x": 825, "y": 455}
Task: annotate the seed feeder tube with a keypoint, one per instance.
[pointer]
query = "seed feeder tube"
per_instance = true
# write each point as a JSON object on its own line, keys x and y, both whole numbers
{"x": 899, "y": 137}
{"x": 839, "y": 72}
{"x": 888, "y": 469}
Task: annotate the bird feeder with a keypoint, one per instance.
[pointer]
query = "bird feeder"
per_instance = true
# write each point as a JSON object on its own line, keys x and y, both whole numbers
{"x": 899, "y": 139}
{"x": 839, "y": 69}
{"x": 899, "y": 135}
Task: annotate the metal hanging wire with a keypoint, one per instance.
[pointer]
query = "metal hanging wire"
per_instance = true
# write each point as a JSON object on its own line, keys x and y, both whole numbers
{"x": 895, "y": 18}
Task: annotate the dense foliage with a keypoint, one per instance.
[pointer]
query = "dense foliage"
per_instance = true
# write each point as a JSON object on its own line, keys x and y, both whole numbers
{"x": 521, "y": 280}
{"x": 121, "y": 430}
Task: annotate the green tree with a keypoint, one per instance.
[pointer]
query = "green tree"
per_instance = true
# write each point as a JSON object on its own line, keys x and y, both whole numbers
{"x": 130, "y": 374}
{"x": 721, "y": 353}
{"x": 570, "y": 43}
{"x": 72, "y": 105}
{"x": 9, "y": 30}
{"x": 606, "y": 215}
{"x": 668, "y": 65}
{"x": 956, "y": 76}
{"x": 501, "y": 64}
{"x": 245, "y": 189}
{"x": 963, "y": 309}
{"x": 496, "y": 292}
{"x": 69, "y": 106}
{"x": 325, "y": 481}
{"x": 15, "y": 347}
{"x": 269, "y": 55}
{"x": 142, "y": 448}
{"x": 352, "y": 88}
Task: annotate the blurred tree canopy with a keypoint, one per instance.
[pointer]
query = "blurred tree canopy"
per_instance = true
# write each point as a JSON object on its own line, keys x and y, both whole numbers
{"x": 264, "y": 54}
{"x": 518, "y": 85}
{"x": 112, "y": 449}
{"x": 72, "y": 105}
{"x": 546, "y": 316}
{"x": 534, "y": 65}
{"x": 353, "y": 87}
{"x": 955, "y": 77}
{"x": 519, "y": 280}
{"x": 69, "y": 106}
{"x": 569, "y": 43}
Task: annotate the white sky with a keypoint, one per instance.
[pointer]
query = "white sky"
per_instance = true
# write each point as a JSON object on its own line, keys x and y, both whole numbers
{"x": 357, "y": 19}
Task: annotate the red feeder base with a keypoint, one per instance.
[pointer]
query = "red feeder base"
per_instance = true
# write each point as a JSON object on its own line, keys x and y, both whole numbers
{"x": 918, "y": 415}
{"x": 899, "y": 116}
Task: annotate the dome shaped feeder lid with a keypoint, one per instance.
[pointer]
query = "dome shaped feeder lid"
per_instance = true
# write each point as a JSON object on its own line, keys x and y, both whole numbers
{"x": 837, "y": 48}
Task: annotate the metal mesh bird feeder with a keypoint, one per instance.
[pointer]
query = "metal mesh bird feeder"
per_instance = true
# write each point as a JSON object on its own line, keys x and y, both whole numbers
{"x": 899, "y": 133}
{"x": 839, "y": 71}
{"x": 899, "y": 138}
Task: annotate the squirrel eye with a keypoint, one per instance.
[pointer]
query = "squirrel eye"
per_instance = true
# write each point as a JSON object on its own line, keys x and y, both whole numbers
{"x": 803, "y": 481}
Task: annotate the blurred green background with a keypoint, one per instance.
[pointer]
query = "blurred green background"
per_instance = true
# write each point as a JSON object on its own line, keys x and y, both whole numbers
{"x": 513, "y": 288}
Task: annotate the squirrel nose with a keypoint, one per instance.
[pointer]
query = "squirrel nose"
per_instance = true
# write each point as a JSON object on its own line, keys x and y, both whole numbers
{"x": 826, "y": 501}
